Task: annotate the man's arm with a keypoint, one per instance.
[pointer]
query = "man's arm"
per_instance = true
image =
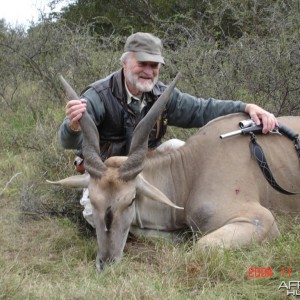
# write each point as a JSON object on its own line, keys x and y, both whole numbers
{"x": 188, "y": 111}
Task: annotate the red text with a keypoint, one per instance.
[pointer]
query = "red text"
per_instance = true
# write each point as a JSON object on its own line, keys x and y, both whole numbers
{"x": 260, "y": 272}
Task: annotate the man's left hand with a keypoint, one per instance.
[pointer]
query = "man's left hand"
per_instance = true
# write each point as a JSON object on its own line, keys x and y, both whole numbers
{"x": 261, "y": 116}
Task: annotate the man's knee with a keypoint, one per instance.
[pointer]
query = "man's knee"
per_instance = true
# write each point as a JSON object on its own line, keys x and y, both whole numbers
{"x": 88, "y": 208}
{"x": 170, "y": 144}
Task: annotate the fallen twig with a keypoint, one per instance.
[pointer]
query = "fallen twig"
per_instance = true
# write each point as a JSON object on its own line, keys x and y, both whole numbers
{"x": 11, "y": 179}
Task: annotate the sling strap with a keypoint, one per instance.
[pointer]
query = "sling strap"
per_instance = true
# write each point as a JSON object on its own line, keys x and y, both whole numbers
{"x": 257, "y": 152}
{"x": 292, "y": 136}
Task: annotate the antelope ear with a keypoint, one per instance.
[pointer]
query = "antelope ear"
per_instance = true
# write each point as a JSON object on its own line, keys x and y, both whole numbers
{"x": 76, "y": 181}
{"x": 150, "y": 191}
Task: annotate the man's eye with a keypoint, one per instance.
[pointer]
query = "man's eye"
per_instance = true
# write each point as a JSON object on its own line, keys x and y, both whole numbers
{"x": 154, "y": 65}
{"x": 150, "y": 64}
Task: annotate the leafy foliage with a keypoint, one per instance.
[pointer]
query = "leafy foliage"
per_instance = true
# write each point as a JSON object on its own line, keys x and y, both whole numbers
{"x": 226, "y": 49}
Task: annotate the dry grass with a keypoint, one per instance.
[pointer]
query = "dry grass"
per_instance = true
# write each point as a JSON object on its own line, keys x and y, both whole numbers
{"x": 50, "y": 259}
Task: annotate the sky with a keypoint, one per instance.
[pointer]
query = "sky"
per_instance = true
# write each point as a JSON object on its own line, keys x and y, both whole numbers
{"x": 22, "y": 12}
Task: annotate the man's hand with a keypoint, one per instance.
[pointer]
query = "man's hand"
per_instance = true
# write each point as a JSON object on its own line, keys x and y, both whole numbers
{"x": 259, "y": 115}
{"x": 74, "y": 111}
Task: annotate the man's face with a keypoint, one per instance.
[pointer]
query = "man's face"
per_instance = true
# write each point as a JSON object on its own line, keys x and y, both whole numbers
{"x": 140, "y": 76}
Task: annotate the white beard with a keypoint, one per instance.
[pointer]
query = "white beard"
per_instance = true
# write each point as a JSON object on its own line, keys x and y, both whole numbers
{"x": 147, "y": 86}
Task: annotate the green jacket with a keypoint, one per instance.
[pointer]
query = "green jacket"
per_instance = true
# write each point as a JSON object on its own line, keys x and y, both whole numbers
{"x": 107, "y": 105}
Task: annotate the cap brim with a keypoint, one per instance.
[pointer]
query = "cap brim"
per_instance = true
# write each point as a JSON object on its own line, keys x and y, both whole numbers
{"x": 143, "y": 56}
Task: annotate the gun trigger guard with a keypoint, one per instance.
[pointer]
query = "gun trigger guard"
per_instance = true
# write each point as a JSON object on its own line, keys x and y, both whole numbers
{"x": 275, "y": 131}
{"x": 252, "y": 137}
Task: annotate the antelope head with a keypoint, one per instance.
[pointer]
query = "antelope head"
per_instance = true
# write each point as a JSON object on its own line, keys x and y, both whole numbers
{"x": 114, "y": 184}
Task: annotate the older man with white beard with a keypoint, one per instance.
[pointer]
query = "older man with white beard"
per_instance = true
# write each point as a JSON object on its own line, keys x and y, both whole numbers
{"x": 118, "y": 102}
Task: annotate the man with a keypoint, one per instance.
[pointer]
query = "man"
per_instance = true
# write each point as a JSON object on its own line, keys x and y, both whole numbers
{"x": 118, "y": 102}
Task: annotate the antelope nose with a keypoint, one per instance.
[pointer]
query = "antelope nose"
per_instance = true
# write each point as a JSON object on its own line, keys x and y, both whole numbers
{"x": 102, "y": 263}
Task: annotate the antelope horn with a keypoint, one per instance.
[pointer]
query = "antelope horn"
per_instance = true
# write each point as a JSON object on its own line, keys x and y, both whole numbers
{"x": 76, "y": 181}
{"x": 139, "y": 144}
{"x": 91, "y": 143}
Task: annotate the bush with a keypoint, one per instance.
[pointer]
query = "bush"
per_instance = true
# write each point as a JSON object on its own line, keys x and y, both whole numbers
{"x": 254, "y": 62}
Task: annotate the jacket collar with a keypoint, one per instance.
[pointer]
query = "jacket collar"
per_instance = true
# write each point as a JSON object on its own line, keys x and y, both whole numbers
{"x": 118, "y": 85}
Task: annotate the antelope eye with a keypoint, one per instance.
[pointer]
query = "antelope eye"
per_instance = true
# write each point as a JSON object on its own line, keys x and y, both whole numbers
{"x": 133, "y": 198}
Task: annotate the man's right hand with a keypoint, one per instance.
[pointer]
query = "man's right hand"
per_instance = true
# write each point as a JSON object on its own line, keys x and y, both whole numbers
{"x": 74, "y": 111}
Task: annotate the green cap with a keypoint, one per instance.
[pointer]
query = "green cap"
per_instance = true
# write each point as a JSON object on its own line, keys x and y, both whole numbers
{"x": 146, "y": 46}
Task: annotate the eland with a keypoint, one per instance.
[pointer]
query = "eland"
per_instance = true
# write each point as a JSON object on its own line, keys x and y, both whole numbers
{"x": 210, "y": 186}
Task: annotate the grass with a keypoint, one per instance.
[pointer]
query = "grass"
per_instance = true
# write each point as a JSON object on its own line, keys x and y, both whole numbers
{"x": 49, "y": 258}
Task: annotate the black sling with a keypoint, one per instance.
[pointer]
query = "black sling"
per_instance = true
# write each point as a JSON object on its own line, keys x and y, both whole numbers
{"x": 257, "y": 152}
